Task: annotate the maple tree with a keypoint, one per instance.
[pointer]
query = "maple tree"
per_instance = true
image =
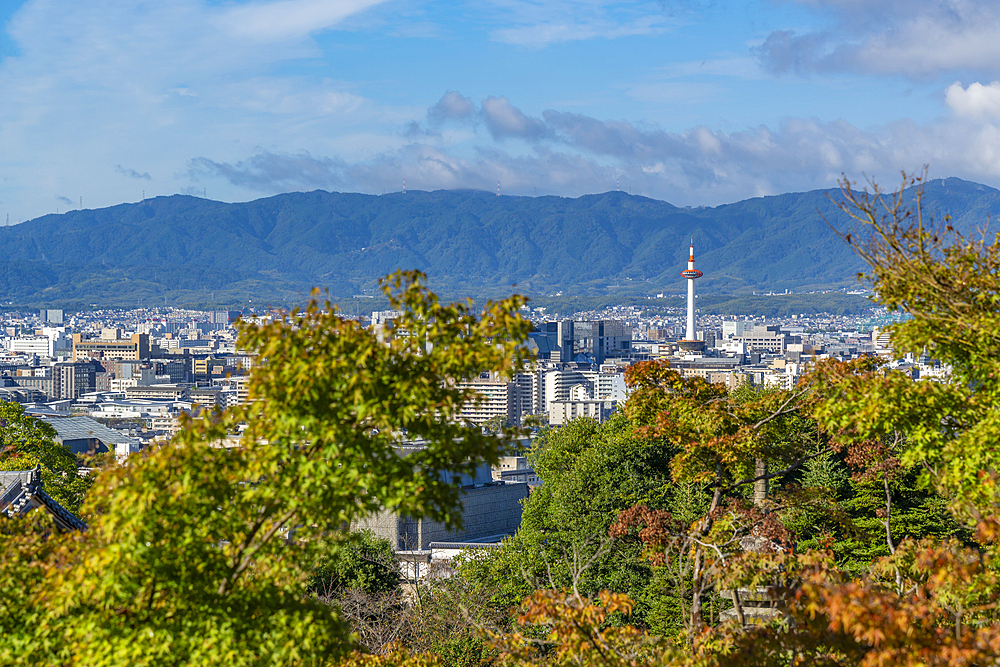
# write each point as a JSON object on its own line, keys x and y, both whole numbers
{"x": 928, "y": 601}
{"x": 202, "y": 553}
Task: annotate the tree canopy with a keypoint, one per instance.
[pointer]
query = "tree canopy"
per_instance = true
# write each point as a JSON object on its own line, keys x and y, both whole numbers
{"x": 27, "y": 442}
{"x": 202, "y": 552}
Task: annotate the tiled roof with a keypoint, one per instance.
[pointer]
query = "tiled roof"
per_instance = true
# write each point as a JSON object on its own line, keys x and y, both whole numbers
{"x": 18, "y": 488}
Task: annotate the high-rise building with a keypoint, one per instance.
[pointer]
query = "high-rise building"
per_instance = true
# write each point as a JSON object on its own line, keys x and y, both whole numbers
{"x": 51, "y": 316}
{"x": 496, "y": 397}
{"x": 599, "y": 339}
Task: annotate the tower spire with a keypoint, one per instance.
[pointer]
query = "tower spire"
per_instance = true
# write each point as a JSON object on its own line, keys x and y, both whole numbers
{"x": 691, "y": 342}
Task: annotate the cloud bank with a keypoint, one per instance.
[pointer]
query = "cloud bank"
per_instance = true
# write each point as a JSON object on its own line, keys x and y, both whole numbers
{"x": 918, "y": 38}
{"x": 569, "y": 153}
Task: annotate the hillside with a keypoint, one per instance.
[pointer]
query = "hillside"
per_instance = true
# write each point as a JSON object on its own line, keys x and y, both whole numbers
{"x": 191, "y": 250}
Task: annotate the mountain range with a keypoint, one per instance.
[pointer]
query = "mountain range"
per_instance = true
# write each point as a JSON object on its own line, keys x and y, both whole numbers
{"x": 184, "y": 249}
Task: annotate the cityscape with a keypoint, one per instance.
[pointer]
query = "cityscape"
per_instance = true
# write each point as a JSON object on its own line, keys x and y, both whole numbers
{"x": 393, "y": 333}
{"x": 126, "y": 376}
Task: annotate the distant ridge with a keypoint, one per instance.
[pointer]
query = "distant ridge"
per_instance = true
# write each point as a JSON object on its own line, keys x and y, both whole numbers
{"x": 191, "y": 250}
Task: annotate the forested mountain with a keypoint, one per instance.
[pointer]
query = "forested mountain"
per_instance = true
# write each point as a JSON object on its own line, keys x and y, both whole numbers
{"x": 275, "y": 249}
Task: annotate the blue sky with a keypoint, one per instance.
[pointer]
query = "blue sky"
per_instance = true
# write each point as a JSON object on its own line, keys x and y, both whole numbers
{"x": 691, "y": 101}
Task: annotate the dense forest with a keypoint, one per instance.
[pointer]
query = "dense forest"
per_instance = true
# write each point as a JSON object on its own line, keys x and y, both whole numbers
{"x": 186, "y": 250}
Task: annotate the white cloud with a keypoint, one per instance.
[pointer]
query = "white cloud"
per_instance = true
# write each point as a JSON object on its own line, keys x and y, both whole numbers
{"x": 126, "y": 82}
{"x": 543, "y": 34}
{"x": 976, "y": 101}
{"x": 289, "y": 19}
{"x": 505, "y": 120}
{"x": 451, "y": 106}
{"x": 916, "y": 38}
{"x": 573, "y": 154}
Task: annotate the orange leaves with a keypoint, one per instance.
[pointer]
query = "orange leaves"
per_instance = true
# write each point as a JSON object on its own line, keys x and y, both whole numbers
{"x": 939, "y": 613}
{"x": 563, "y": 628}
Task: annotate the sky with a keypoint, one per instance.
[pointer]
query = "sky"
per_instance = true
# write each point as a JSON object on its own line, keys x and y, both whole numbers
{"x": 696, "y": 102}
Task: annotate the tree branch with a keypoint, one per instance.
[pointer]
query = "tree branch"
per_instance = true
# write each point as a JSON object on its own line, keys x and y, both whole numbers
{"x": 795, "y": 464}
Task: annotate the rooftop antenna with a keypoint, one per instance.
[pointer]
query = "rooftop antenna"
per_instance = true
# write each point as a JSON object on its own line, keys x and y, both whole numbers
{"x": 498, "y": 188}
{"x": 143, "y": 195}
{"x": 404, "y": 186}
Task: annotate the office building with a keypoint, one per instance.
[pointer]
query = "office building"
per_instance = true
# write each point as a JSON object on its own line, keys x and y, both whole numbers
{"x": 134, "y": 348}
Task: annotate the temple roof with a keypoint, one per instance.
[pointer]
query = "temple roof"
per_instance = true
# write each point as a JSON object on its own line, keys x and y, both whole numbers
{"x": 22, "y": 491}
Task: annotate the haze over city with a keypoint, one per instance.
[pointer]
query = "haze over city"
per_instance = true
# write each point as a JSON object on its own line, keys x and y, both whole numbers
{"x": 688, "y": 101}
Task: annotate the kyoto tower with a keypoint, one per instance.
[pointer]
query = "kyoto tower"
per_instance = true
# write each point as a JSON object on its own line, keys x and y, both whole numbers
{"x": 690, "y": 343}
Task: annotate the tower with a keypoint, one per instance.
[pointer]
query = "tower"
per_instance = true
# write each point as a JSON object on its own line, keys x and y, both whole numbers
{"x": 690, "y": 342}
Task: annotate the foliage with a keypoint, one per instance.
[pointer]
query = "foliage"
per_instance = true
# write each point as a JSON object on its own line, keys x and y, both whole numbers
{"x": 201, "y": 554}
{"x": 591, "y": 472}
{"x": 362, "y": 561}
{"x": 498, "y": 572}
{"x": 575, "y": 632}
{"x": 497, "y": 425}
{"x": 26, "y": 442}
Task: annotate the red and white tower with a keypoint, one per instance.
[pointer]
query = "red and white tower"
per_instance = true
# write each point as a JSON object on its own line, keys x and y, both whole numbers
{"x": 691, "y": 342}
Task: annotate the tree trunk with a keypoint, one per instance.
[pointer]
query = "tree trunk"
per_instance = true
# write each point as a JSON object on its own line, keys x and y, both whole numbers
{"x": 888, "y": 514}
{"x": 697, "y": 585}
{"x": 760, "y": 486}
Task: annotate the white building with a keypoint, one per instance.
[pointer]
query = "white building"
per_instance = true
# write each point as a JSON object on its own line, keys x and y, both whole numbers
{"x": 40, "y": 345}
{"x": 563, "y": 412}
{"x": 557, "y": 385}
{"x": 496, "y": 398}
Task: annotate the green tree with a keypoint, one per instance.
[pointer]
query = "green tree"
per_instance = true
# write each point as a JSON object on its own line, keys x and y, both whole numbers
{"x": 201, "y": 552}
{"x": 930, "y": 601}
{"x": 361, "y": 561}
{"x": 591, "y": 472}
{"x": 26, "y": 442}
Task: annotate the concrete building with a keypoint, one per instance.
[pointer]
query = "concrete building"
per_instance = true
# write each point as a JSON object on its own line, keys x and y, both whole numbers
{"x": 51, "y": 316}
{"x": 38, "y": 386}
{"x": 84, "y": 435}
{"x": 598, "y": 340}
{"x": 497, "y": 398}
{"x": 40, "y": 345}
{"x": 70, "y": 380}
{"x": 558, "y": 383}
{"x": 166, "y": 392}
{"x": 529, "y": 393}
{"x": 488, "y": 509}
{"x": 137, "y": 409}
{"x": 555, "y": 341}
{"x": 762, "y": 338}
{"x": 207, "y": 396}
{"x": 736, "y": 329}
{"x": 134, "y": 348}
{"x": 512, "y": 469}
{"x": 563, "y": 412}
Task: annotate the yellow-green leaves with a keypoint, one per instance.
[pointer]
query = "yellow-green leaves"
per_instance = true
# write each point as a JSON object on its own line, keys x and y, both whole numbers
{"x": 197, "y": 554}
